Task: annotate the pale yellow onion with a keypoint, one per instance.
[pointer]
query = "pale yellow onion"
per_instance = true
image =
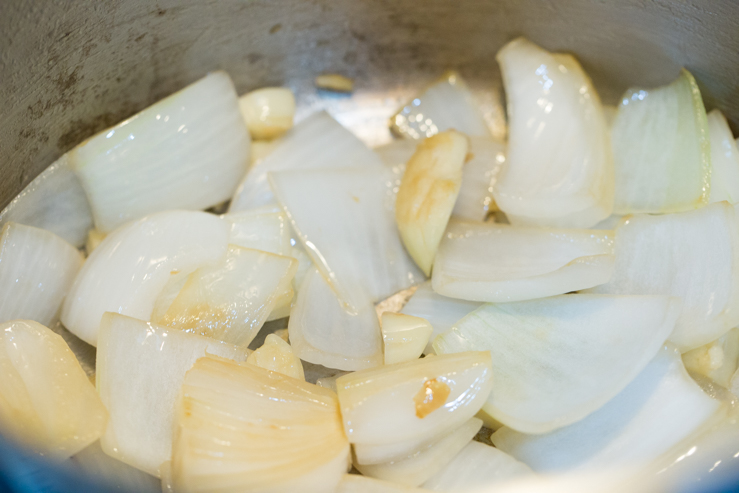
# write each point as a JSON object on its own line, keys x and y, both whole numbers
{"x": 242, "y": 428}
{"x": 404, "y": 337}
{"x": 717, "y": 360}
{"x": 231, "y": 300}
{"x": 414, "y": 400}
{"x": 187, "y": 151}
{"x": 268, "y": 112}
{"x": 94, "y": 238}
{"x": 499, "y": 263}
{"x": 134, "y": 263}
{"x": 546, "y": 351}
{"x": 277, "y": 355}
{"x": 140, "y": 369}
{"x": 661, "y": 149}
{"x": 46, "y": 400}
{"x": 37, "y": 270}
{"x": 724, "y": 159}
{"x": 334, "y": 82}
{"x": 416, "y": 469}
{"x": 427, "y": 194}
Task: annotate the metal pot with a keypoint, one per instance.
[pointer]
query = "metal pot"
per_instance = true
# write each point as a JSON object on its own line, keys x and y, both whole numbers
{"x": 70, "y": 69}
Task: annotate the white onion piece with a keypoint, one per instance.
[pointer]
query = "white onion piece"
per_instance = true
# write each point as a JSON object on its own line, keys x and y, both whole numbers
{"x": 242, "y": 428}
{"x": 661, "y": 149}
{"x": 348, "y": 230}
{"x": 170, "y": 291}
{"x": 445, "y": 105}
{"x": 475, "y": 199}
{"x": 415, "y": 470}
{"x": 231, "y": 300}
{"x": 277, "y": 355}
{"x": 498, "y": 263}
{"x": 46, "y": 400}
{"x": 415, "y": 400}
{"x": 354, "y": 483}
{"x": 266, "y": 231}
{"x": 441, "y": 312}
{"x": 140, "y": 369}
{"x": 476, "y": 466}
{"x": 319, "y": 141}
{"x": 268, "y": 112}
{"x": 609, "y": 223}
{"x": 92, "y": 461}
{"x": 660, "y": 408}
{"x": 55, "y": 201}
{"x": 693, "y": 255}
{"x": 724, "y": 159}
{"x": 37, "y": 269}
{"x": 404, "y": 337}
{"x": 188, "y": 151}
{"x": 717, "y": 360}
{"x": 551, "y": 367}
{"x": 559, "y": 170}
{"x": 133, "y": 264}
{"x": 324, "y": 333}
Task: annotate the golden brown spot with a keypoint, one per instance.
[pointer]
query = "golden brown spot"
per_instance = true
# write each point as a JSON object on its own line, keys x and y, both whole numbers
{"x": 431, "y": 397}
{"x": 355, "y": 199}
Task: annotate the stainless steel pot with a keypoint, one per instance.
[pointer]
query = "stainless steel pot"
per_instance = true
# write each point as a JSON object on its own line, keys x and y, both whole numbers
{"x": 71, "y": 68}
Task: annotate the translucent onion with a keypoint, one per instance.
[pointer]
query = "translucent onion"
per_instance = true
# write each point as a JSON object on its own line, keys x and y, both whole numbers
{"x": 441, "y": 312}
{"x": 724, "y": 159}
{"x": 559, "y": 170}
{"x": 46, "y": 400}
{"x": 717, "y": 360}
{"x": 415, "y": 400}
{"x": 268, "y": 231}
{"x": 55, "y": 201}
{"x": 446, "y": 104}
{"x": 188, "y": 151}
{"x": 133, "y": 264}
{"x": 659, "y": 409}
{"x": 354, "y": 483}
{"x": 546, "y": 351}
{"x": 693, "y": 255}
{"x": 242, "y": 428}
{"x": 319, "y": 141}
{"x": 92, "y": 461}
{"x": 140, "y": 369}
{"x": 427, "y": 193}
{"x": 661, "y": 149}
{"x": 230, "y": 300}
{"x": 476, "y": 466}
{"x": 324, "y": 333}
{"x": 37, "y": 269}
{"x": 415, "y": 470}
{"x": 277, "y": 355}
{"x": 347, "y": 228}
{"x": 498, "y": 263}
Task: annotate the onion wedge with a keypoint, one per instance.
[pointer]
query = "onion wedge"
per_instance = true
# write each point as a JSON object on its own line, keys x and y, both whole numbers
{"x": 498, "y": 263}
{"x": 559, "y": 170}
{"x": 140, "y": 369}
{"x": 319, "y": 141}
{"x": 547, "y": 351}
{"x": 46, "y": 400}
{"x": 476, "y": 466}
{"x": 277, "y": 355}
{"x": 427, "y": 194}
{"x": 413, "y": 400}
{"x": 404, "y": 337}
{"x": 415, "y": 470}
{"x": 660, "y": 408}
{"x": 37, "y": 269}
{"x": 242, "y": 428}
{"x": 188, "y": 151}
{"x": 693, "y": 255}
{"x": 724, "y": 159}
{"x": 661, "y": 149}
{"x": 133, "y": 264}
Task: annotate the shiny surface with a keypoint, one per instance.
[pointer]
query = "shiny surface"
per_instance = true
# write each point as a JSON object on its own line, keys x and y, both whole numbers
{"x": 547, "y": 351}
{"x": 404, "y": 337}
{"x": 277, "y": 355}
{"x": 46, "y": 400}
{"x": 268, "y": 111}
